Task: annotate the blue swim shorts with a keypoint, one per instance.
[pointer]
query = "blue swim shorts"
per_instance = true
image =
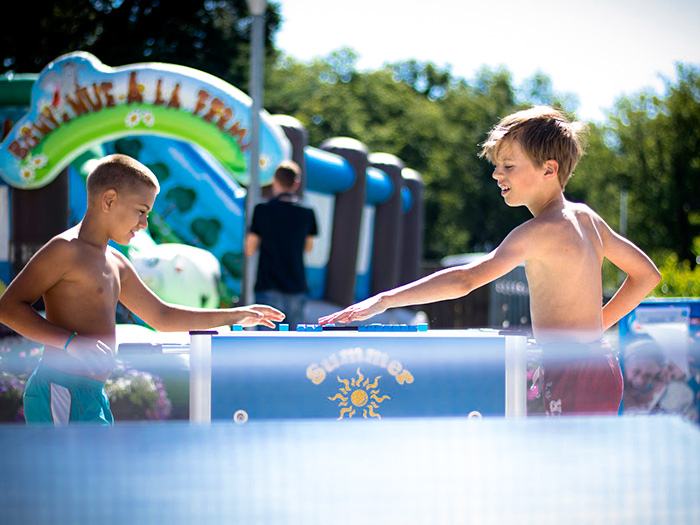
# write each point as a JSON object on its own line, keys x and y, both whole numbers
{"x": 55, "y": 397}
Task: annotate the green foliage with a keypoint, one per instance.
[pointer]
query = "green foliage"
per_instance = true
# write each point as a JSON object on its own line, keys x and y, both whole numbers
{"x": 599, "y": 176}
{"x": 678, "y": 279}
{"x": 654, "y": 142}
{"x": 433, "y": 121}
{"x": 213, "y": 36}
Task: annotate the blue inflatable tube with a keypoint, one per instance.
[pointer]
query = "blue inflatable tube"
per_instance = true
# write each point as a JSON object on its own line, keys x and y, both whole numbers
{"x": 407, "y": 199}
{"x": 379, "y": 186}
{"x": 327, "y": 172}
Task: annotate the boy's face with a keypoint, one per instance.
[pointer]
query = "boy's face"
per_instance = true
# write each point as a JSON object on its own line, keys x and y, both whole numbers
{"x": 130, "y": 213}
{"x": 516, "y": 175}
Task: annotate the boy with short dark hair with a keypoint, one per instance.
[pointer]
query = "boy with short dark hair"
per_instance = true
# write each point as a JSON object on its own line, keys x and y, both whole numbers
{"x": 81, "y": 279}
{"x": 563, "y": 246}
{"x": 283, "y": 230}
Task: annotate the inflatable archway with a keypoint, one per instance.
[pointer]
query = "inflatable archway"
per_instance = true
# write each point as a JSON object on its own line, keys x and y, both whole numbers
{"x": 78, "y": 102}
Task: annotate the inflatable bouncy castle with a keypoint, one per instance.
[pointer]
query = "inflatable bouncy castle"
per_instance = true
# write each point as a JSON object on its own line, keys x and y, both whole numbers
{"x": 192, "y": 130}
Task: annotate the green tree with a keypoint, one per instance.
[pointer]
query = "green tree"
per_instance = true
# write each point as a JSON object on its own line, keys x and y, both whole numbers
{"x": 649, "y": 148}
{"x": 424, "y": 77}
{"x": 538, "y": 90}
{"x": 678, "y": 279}
{"x": 213, "y": 36}
{"x": 658, "y": 141}
{"x": 424, "y": 115}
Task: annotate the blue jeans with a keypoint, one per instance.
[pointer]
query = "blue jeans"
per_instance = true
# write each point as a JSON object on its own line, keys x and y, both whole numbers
{"x": 292, "y": 304}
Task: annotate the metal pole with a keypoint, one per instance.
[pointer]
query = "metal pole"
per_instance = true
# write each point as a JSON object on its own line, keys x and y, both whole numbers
{"x": 257, "y": 52}
{"x": 200, "y": 376}
{"x": 516, "y": 376}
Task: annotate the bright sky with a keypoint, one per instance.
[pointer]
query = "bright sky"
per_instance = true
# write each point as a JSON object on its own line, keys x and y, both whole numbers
{"x": 598, "y": 50}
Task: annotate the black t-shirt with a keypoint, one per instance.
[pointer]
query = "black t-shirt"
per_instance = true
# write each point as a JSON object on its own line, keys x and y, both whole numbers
{"x": 283, "y": 226}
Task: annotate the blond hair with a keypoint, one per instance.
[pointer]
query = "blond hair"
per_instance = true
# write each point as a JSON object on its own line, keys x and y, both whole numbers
{"x": 121, "y": 173}
{"x": 544, "y": 133}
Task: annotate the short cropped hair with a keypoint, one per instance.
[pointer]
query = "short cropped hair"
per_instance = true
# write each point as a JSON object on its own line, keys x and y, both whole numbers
{"x": 288, "y": 174}
{"x": 544, "y": 133}
{"x": 121, "y": 173}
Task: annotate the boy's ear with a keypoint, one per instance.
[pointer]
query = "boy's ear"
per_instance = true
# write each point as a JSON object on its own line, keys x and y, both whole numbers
{"x": 551, "y": 168}
{"x": 108, "y": 199}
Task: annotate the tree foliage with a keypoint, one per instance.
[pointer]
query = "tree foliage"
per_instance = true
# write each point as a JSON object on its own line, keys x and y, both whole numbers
{"x": 435, "y": 123}
{"x": 650, "y": 147}
{"x": 213, "y": 36}
{"x": 659, "y": 142}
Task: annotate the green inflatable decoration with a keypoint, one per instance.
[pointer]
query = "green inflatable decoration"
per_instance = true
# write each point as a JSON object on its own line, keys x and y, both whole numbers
{"x": 78, "y": 102}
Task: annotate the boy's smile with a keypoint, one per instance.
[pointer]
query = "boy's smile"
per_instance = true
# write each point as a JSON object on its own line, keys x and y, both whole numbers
{"x": 132, "y": 212}
{"x": 521, "y": 182}
{"x": 513, "y": 168}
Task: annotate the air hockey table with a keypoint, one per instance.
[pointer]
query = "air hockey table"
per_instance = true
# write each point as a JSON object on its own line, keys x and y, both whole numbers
{"x": 281, "y": 431}
{"x": 370, "y": 372}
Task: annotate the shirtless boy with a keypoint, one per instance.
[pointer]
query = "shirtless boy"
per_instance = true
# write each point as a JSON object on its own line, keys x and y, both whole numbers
{"x": 563, "y": 246}
{"x": 81, "y": 279}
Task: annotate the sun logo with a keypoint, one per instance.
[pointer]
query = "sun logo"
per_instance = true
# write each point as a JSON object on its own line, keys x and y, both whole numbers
{"x": 358, "y": 392}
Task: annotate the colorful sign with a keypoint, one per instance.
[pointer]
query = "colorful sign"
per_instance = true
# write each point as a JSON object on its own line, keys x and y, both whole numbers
{"x": 78, "y": 102}
{"x": 354, "y": 375}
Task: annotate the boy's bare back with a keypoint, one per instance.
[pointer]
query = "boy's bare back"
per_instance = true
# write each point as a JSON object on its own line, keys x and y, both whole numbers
{"x": 564, "y": 273}
{"x": 563, "y": 248}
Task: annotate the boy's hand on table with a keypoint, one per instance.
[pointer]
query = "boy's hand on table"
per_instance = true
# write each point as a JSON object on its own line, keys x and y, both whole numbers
{"x": 257, "y": 314}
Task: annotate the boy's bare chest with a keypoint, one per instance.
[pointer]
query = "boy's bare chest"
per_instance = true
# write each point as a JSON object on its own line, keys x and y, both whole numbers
{"x": 96, "y": 279}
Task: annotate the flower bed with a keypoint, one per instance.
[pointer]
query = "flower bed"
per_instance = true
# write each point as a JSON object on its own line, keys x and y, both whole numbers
{"x": 133, "y": 394}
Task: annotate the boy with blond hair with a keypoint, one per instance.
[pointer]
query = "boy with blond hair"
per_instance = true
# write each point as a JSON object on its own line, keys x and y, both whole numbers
{"x": 534, "y": 152}
{"x": 81, "y": 279}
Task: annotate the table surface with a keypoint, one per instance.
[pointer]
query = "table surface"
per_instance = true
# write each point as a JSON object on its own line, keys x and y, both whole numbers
{"x": 584, "y": 470}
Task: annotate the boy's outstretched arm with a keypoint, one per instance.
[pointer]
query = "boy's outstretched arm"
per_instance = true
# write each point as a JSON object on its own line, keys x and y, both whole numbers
{"x": 450, "y": 283}
{"x": 166, "y": 317}
{"x": 642, "y": 276}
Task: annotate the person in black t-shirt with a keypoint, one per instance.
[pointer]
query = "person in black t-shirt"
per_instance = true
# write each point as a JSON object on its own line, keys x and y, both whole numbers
{"x": 283, "y": 230}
